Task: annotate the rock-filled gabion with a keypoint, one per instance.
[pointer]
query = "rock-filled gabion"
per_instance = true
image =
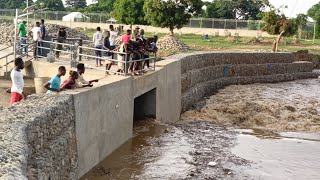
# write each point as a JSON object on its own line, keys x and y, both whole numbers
{"x": 7, "y": 32}
{"x": 171, "y": 43}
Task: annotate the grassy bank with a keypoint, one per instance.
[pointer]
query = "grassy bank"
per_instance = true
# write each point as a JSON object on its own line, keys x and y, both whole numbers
{"x": 221, "y": 43}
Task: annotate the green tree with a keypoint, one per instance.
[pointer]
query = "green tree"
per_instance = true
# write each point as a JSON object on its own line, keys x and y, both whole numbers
{"x": 52, "y": 5}
{"x": 241, "y": 9}
{"x": 101, "y": 6}
{"x": 301, "y": 20}
{"x": 14, "y": 4}
{"x": 76, "y": 4}
{"x": 129, "y": 11}
{"x": 314, "y": 13}
{"x": 170, "y": 14}
{"x": 275, "y": 23}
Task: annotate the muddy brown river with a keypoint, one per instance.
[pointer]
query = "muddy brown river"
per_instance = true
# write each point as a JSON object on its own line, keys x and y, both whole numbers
{"x": 260, "y": 131}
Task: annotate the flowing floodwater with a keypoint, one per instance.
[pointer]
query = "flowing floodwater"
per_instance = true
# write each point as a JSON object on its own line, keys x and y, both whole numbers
{"x": 279, "y": 156}
{"x": 260, "y": 131}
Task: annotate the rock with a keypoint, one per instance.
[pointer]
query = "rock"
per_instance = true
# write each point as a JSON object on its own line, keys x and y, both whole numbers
{"x": 212, "y": 164}
{"x": 171, "y": 43}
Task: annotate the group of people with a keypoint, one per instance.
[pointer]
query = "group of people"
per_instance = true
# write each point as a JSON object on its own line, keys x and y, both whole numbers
{"x": 38, "y": 33}
{"x": 135, "y": 45}
{"x": 54, "y": 86}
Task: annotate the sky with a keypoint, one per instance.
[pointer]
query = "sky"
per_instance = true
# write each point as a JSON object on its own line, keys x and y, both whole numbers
{"x": 294, "y": 6}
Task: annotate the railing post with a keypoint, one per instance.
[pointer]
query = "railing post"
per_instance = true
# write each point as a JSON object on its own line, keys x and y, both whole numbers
{"x": 74, "y": 55}
{"x": 36, "y": 49}
{"x": 154, "y": 61}
{"x": 125, "y": 64}
{"x": 15, "y": 34}
{"x": 7, "y": 67}
{"x": 80, "y": 49}
{"x": 225, "y": 23}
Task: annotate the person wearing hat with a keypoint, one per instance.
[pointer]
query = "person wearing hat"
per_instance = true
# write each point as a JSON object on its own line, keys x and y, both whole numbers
{"x": 62, "y": 36}
{"x": 22, "y": 33}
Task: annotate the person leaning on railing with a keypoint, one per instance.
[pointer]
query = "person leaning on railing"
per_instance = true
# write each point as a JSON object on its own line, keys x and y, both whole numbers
{"x": 53, "y": 86}
{"x": 70, "y": 83}
{"x": 81, "y": 82}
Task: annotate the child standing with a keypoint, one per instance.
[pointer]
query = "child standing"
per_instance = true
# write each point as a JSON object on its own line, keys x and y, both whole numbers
{"x": 17, "y": 82}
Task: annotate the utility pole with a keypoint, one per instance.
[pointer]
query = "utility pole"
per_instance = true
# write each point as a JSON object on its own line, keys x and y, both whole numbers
{"x": 27, "y": 15}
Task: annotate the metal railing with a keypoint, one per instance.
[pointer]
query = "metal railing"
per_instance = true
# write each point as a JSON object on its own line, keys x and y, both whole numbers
{"x": 76, "y": 55}
{"x": 22, "y": 55}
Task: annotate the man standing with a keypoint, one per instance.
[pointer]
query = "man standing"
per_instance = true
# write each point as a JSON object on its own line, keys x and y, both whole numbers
{"x": 17, "y": 82}
{"x": 35, "y": 33}
{"x": 43, "y": 34}
{"x": 22, "y": 33}
{"x": 62, "y": 36}
{"x": 136, "y": 33}
{"x": 98, "y": 43}
{"x": 54, "y": 84}
{"x": 112, "y": 38}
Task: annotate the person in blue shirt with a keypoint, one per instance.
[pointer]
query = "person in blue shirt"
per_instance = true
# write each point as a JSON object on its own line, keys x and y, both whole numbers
{"x": 54, "y": 84}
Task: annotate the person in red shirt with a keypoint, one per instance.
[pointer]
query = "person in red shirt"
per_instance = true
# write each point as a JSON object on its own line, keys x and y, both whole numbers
{"x": 126, "y": 38}
{"x": 70, "y": 83}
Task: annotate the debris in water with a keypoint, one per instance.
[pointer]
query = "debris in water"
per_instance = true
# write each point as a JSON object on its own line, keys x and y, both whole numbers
{"x": 212, "y": 164}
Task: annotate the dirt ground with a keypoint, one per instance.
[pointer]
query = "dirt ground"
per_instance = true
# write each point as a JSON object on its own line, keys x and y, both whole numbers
{"x": 5, "y": 84}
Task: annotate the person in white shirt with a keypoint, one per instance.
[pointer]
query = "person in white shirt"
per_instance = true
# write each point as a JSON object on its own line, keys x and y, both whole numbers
{"x": 17, "y": 82}
{"x": 98, "y": 43}
{"x": 35, "y": 33}
{"x": 113, "y": 36}
{"x": 81, "y": 82}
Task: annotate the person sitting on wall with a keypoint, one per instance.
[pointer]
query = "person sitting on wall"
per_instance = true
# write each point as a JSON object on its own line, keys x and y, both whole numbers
{"x": 70, "y": 83}
{"x": 16, "y": 90}
{"x": 81, "y": 82}
{"x": 54, "y": 84}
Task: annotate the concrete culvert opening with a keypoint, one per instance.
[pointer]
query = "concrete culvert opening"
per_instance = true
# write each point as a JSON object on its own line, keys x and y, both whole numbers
{"x": 145, "y": 106}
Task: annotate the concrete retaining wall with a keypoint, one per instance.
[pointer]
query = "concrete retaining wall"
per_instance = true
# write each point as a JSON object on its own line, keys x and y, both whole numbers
{"x": 64, "y": 136}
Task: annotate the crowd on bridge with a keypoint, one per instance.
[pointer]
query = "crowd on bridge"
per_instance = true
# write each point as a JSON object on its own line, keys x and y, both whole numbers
{"x": 133, "y": 46}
